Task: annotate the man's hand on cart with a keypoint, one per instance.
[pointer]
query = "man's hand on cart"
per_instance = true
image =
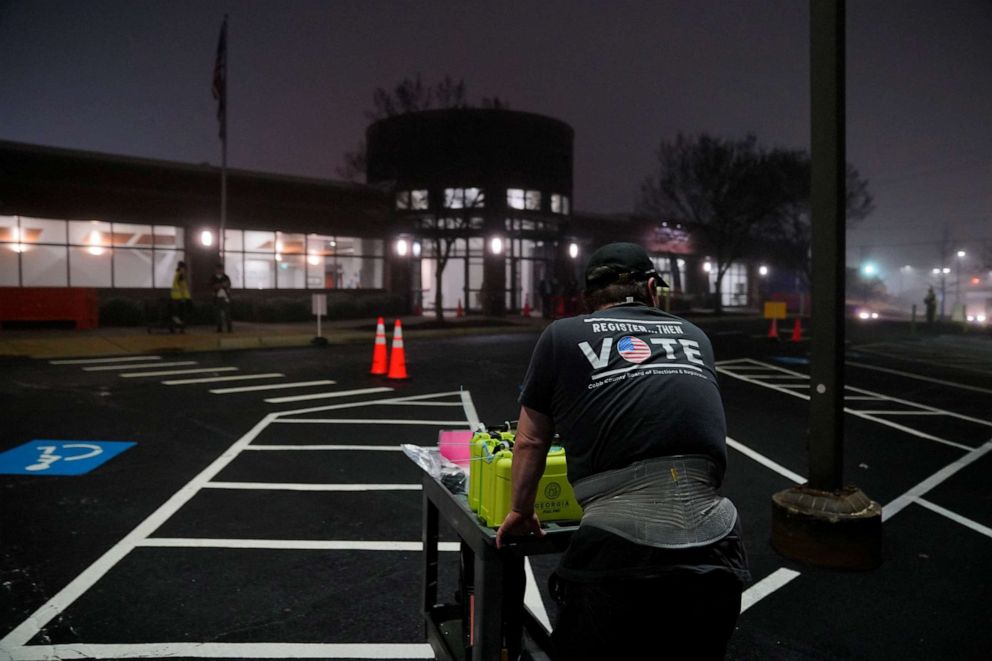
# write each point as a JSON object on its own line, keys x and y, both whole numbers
{"x": 517, "y": 524}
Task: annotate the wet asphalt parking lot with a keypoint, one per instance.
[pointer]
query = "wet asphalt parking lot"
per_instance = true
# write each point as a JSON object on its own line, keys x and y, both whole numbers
{"x": 265, "y": 511}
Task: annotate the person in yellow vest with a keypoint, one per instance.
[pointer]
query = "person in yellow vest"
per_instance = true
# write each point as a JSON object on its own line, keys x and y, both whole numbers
{"x": 179, "y": 298}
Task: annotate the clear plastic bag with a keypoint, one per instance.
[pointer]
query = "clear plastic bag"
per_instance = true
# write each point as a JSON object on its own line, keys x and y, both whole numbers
{"x": 429, "y": 459}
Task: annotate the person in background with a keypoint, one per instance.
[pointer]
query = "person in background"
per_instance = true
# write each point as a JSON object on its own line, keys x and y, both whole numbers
{"x": 179, "y": 297}
{"x": 930, "y": 302}
{"x": 222, "y": 298}
{"x": 657, "y": 566}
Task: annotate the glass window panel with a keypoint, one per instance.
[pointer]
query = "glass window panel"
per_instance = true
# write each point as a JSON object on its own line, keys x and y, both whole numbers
{"x": 92, "y": 233}
{"x": 42, "y": 230}
{"x": 8, "y": 266}
{"x": 234, "y": 268}
{"x": 533, "y": 200}
{"x": 89, "y": 267}
{"x": 166, "y": 236}
{"x": 165, "y": 266}
{"x": 234, "y": 240}
{"x": 564, "y": 204}
{"x": 8, "y": 229}
{"x": 555, "y": 203}
{"x": 44, "y": 266}
{"x": 260, "y": 241}
{"x": 419, "y": 199}
{"x": 292, "y": 272}
{"x": 348, "y": 246}
{"x": 321, "y": 245}
{"x": 359, "y": 272}
{"x": 454, "y": 198}
{"x": 132, "y": 236}
{"x": 403, "y": 200}
{"x": 476, "y": 245}
{"x": 291, "y": 244}
{"x": 475, "y": 198}
{"x": 132, "y": 267}
{"x": 259, "y": 271}
{"x": 515, "y": 198}
{"x": 371, "y": 247}
{"x": 316, "y": 265}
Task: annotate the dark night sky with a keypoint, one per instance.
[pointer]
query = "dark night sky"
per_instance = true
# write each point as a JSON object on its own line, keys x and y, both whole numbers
{"x": 133, "y": 77}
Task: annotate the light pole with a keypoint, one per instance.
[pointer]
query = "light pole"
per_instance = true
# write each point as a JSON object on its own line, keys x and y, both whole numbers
{"x": 957, "y": 279}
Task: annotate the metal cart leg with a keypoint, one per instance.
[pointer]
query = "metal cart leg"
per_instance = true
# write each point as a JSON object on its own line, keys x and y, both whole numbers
{"x": 430, "y": 554}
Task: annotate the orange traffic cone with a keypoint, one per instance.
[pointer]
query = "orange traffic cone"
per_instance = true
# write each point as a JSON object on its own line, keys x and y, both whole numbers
{"x": 379, "y": 352}
{"x": 773, "y": 330}
{"x": 397, "y": 361}
{"x": 525, "y": 312}
{"x": 459, "y": 311}
{"x": 797, "y": 331}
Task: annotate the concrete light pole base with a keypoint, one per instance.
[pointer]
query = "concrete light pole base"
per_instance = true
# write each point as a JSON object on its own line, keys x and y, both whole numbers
{"x": 839, "y": 529}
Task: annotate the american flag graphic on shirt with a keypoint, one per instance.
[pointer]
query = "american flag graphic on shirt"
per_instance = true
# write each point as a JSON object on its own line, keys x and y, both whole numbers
{"x": 633, "y": 350}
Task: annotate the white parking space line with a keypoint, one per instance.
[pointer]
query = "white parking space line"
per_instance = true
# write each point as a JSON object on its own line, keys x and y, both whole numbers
{"x": 215, "y": 379}
{"x": 327, "y": 395}
{"x": 294, "y": 486}
{"x": 777, "y": 579}
{"x": 470, "y": 413}
{"x": 954, "y": 516}
{"x": 421, "y": 404}
{"x": 937, "y": 478}
{"x": 281, "y": 415}
{"x": 765, "y": 461}
{"x": 943, "y": 363}
{"x": 900, "y": 412}
{"x": 372, "y": 421}
{"x": 199, "y": 370}
{"x": 274, "y": 386}
{"x": 908, "y": 430}
{"x": 863, "y": 398}
{"x": 100, "y": 368}
{"x": 294, "y": 448}
{"x": 116, "y": 359}
{"x": 62, "y": 600}
{"x": 909, "y": 375}
{"x": 291, "y": 544}
{"x": 226, "y": 651}
{"x": 730, "y": 370}
{"x": 533, "y": 599}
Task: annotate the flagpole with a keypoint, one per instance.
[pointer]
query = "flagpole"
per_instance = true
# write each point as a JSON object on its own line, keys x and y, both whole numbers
{"x": 223, "y": 150}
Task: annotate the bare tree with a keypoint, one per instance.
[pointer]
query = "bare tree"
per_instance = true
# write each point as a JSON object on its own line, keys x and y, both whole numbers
{"x": 409, "y": 95}
{"x": 789, "y": 237}
{"x": 725, "y": 189}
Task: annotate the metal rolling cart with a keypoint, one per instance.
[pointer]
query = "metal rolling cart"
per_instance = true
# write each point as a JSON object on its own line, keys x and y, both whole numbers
{"x": 500, "y": 620}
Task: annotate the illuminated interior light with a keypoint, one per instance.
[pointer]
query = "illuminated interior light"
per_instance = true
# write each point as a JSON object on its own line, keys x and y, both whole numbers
{"x": 279, "y": 246}
{"x": 707, "y": 266}
{"x": 402, "y": 247}
{"x": 945, "y": 270}
{"x": 416, "y": 248}
{"x": 278, "y": 257}
{"x": 95, "y": 240}
{"x": 313, "y": 259}
{"x": 573, "y": 250}
{"x": 762, "y": 270}
{"x": 206, "y": 238}
{"x": 496, "y": 245}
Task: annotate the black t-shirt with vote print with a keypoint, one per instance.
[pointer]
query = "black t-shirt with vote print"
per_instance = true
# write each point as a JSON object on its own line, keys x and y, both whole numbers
{"x": 625, "y": 384}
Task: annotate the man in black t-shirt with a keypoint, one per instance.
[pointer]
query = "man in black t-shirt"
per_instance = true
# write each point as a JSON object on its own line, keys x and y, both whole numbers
{"x": 658, "y": 561}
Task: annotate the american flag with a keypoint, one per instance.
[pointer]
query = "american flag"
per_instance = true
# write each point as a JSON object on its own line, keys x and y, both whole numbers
{"x": 633, "y": 350}
{"x": 220, "y": 79}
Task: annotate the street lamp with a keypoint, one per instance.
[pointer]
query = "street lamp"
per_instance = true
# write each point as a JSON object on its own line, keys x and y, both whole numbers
{"x": 957, "y": 279}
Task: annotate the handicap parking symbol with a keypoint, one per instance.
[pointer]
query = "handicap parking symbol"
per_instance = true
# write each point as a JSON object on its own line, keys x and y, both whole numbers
{"x": 44, "y": 457}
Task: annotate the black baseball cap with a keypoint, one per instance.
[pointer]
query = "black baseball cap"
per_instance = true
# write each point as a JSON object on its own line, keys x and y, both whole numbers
{"x": 614, "y": 260}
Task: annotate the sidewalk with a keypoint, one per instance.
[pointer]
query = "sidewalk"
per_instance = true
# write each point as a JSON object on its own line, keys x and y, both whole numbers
{"x": 115, "y": 341}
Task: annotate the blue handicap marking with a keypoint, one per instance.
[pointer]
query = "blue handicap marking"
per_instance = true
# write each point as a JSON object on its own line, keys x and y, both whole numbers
{"x": 43, "y": 457}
